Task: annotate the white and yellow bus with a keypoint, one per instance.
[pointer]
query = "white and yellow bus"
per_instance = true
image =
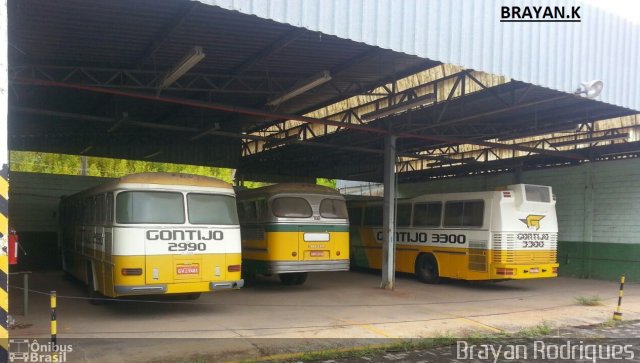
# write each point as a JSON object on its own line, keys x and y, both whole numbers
{"x": 495, "y": 235}
{"x": 293, "y": 229}
{"x": 153, "y": 233}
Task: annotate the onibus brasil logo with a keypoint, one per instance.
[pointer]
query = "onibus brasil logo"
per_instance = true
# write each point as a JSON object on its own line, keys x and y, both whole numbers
{"x": 532, "y": 221}
{"x": 25, "y": 350}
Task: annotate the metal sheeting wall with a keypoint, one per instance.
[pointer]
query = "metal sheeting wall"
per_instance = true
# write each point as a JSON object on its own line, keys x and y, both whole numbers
{"x": 469, "y": 33}
{"x": 33, "y": 212}
{"x": 35, "y": 197}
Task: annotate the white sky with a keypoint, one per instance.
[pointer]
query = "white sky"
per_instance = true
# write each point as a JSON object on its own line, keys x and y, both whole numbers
{"x": 628, "y": 9}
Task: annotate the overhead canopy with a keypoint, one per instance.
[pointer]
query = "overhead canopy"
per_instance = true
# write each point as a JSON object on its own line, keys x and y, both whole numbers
{"x": 595, "y": 45}
{"x": 89, "y": 77}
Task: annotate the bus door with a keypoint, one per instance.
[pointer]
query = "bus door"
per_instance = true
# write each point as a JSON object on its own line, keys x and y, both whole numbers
{"x": 88, "y": 227}
{"x": 107, "y": 241}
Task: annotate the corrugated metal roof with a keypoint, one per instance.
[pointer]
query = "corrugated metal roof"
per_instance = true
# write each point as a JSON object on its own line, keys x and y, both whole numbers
{"x": 469, "y": 33}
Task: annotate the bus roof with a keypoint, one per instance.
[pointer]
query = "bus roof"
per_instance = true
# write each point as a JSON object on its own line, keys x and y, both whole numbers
{"x": 159, "y": 178}
{"x": 288, "y": 188}
{"x": 173, "y": 179}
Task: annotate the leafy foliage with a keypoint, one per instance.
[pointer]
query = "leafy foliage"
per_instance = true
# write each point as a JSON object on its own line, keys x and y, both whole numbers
{"x": 37, "y": 162}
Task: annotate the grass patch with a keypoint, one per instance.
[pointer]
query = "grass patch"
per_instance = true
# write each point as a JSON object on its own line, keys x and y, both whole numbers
{"x": 610, "y": 323}
{"x": 588, "y": 300}
{"x": 365, "y": 351}
{"x": 539, "y": 330}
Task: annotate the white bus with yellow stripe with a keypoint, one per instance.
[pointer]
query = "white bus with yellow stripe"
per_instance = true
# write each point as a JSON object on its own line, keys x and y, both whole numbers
{"x": 153, "y": 233}
{"x": 496, "y": 235}
{"x": 292, "y": 229}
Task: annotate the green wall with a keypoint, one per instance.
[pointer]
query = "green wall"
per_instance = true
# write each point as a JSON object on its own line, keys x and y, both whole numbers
{"x": 599, "y": 260}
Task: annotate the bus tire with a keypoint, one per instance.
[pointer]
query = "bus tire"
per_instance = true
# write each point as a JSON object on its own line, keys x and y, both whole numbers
{"x": 289, "y": 279}
{"x": 302, "y": 278}
{"x": 249, "y": 277}
{"x": 427, "y": 269}
{"x": 94, "y": 297}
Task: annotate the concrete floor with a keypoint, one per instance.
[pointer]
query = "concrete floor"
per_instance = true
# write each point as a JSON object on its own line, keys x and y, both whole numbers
{"x": 330, "y": 310}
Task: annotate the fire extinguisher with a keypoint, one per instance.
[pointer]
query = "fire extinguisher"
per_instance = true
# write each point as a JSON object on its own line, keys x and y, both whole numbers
{"x": 13, "y": 247}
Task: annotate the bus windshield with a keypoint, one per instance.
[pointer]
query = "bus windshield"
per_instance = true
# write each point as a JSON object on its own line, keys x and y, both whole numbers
{"x": 333, "y": 208}
{"x": 291, "y": 207}
{"x": 149, "y": 207}
{"x": 212, "y": 209}
{"x": 535, "y": 193}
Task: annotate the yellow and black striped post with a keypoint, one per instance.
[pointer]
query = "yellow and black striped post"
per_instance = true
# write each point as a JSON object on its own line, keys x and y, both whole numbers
{"x": 617, "y": 315}
{"x": 54, "y": 322}
{"x": 4, "y": 262}
{"x": 4, "y": 185}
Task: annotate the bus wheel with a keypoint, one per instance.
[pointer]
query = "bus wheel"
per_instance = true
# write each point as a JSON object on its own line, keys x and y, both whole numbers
{"x": 289, "y": 279}
{"x": 94, "y": 297}
{"x": 302, "y": 277}
{"x": 427, "y": 269}
{"x": 249, "y": 277}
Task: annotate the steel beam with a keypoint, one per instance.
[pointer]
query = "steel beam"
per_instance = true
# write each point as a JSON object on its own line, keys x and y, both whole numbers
{"x": 275, "y": 115}
{"x": 166, "y": 33}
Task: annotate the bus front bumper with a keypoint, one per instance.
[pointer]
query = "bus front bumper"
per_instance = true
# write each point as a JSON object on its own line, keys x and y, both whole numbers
{"x": 278, "y": 267}
{"x": 529, "y": 271}
{"x": 185, "y": 287}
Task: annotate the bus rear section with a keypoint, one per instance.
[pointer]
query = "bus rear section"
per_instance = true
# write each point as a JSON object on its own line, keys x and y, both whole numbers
{"x": 153, "y": 233}
{"x": 490, "y": 235}
{"x": 291, "y": 230}
{"x": 524, "y": 233}
{"x": 185, "y": 242}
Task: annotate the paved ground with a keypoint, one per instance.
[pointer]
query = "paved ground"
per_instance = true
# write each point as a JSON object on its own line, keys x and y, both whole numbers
{"x": 331, "y": 310}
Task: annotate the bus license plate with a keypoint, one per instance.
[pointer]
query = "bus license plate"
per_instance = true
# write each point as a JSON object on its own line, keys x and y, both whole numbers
{"x": 534, "y": 270}
{"x": 317, "y": 253}
{"x": 188, "y": 270}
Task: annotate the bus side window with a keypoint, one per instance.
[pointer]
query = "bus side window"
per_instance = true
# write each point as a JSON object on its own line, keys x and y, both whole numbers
{"x": 240, "y": 206}
{"x": 262, "y": 211}
{"x": 373, "y": 216}
{"x": 88, "y": 211}
{"x": 109, "y": 208}
{"x": 355, "y": 216}
{"x": 464, "y": 214}
{"x": 427, "y": 214}
{"x": 403, "y": 215}
{"x": 100, "y": 209}
{"x": 250, "y": 211}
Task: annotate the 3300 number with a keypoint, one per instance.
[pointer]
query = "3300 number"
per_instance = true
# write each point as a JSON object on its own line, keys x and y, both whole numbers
{"x": 532, "y": 244}
{"x": 449, "y": 238}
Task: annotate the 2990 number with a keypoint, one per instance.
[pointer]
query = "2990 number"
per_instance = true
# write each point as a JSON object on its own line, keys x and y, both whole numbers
{"x": 187, "y": 246}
